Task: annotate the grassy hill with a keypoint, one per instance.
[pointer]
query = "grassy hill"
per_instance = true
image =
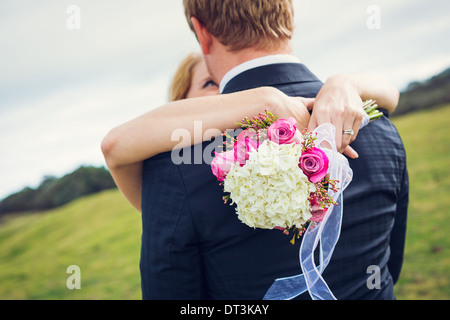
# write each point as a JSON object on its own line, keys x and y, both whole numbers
{"x": 431, "y": 93}
{"x": 426, "y": 272}
{"x": 101, "y": 233}
{"x": 54, "y": 192}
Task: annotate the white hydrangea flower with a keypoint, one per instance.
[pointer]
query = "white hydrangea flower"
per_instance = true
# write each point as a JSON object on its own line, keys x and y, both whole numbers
{"x": 270, "y": 190}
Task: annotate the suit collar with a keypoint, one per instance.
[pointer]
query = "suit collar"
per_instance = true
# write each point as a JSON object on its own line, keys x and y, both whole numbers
{"x": 255, "y": 63}
{"x": 270, "y": 75}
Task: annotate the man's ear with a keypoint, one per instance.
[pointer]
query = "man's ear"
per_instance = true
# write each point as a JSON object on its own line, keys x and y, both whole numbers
{"x": 203, "y": 35}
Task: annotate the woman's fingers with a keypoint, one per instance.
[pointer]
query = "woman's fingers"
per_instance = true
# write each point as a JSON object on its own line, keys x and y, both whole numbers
{"x": 297, "y": 108}
{"x": 347, "y": 133}
{"x": 351, "y": 153}
{"x": 309, "y": 103}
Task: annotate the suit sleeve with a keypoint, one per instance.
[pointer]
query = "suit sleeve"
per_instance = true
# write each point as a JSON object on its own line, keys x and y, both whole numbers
{"x": 398, "y": 235}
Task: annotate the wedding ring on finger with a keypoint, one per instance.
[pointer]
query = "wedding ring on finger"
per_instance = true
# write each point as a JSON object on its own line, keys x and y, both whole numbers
{"x": 350, "y": 132}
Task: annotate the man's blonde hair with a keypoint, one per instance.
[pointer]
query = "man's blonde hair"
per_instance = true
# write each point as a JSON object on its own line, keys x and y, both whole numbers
{"x": 240, "y": 24}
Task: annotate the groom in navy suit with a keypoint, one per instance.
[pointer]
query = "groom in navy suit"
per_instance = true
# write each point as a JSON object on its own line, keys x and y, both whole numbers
{"x": 194, "y": 246}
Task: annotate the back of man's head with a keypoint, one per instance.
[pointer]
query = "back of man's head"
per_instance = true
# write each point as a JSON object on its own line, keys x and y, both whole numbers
{"x": 241, "y": 24}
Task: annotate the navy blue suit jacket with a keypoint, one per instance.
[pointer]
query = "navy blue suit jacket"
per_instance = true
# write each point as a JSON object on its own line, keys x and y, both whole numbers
{"x": 195, "y": 247}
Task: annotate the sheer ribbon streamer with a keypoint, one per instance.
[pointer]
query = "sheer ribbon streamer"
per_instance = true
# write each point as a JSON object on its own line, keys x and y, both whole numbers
{"x": 324, "y": 234}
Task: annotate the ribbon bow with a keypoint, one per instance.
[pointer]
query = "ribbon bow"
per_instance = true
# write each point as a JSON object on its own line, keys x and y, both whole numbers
{"x": 326, "y": 232}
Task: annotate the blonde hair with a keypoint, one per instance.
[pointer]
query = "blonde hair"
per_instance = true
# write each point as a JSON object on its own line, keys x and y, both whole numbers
{"x": 240, "y": 24}
{"x": 181, "y": 82}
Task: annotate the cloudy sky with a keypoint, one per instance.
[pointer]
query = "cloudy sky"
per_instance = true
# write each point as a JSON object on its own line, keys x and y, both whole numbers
{"x": 62, "y": 87}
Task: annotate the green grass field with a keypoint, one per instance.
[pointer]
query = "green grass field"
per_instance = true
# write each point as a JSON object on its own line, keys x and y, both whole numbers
{"x": 101, "y": 233}
{"x": 426, "y": 272}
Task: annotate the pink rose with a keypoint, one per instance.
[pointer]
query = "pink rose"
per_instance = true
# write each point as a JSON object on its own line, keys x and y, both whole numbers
{"x": 284, "y": 131}
{"x": 318, "y": 213}
{"x": 247, "y": 141}
{"x": 314, "y": 163}
{"x": 221, "y": 164}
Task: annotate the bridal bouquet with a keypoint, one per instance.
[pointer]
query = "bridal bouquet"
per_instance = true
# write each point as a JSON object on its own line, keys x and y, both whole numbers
{"x": 281, "y": 178}
{"x": 276, "y": 175}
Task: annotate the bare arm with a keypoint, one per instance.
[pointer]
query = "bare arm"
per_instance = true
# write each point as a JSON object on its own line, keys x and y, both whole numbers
{"x": 128, "y": 179}
{"x": 126, "y": 146}
{"x": 373, "y": 87}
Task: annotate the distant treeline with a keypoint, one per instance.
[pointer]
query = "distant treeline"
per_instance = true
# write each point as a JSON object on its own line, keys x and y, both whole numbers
{"x": 425, "y": 95}
{"x": 54, "y": 192}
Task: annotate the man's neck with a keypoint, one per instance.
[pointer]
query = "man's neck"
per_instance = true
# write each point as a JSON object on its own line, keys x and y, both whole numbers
{"x": 230, "y": 60}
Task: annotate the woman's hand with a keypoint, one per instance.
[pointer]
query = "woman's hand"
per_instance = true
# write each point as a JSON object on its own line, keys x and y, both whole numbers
{"x": 295, "y": 107}
{"x": 340, "y": 104}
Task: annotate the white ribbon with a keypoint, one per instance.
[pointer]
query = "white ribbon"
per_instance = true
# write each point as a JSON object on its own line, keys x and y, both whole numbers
{"x": 326, "y": 232}
{"x": 366, "y": 120}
